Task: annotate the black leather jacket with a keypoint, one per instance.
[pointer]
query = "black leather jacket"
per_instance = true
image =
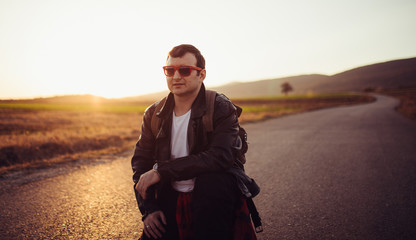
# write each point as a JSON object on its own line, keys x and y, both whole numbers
{"x": 207, "y": 152}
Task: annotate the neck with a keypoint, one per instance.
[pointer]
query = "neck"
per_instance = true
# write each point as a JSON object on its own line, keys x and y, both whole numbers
{"x": 184, "y": 103}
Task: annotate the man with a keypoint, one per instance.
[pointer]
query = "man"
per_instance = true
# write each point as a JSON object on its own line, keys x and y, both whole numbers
{"x": 183, "y": 163}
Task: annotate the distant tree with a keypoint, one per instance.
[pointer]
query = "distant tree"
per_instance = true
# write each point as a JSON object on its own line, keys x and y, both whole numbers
{"x": 286, "y": 88}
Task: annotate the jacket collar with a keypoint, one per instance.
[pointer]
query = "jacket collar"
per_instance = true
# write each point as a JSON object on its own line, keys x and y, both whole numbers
{"x": 197, "y": 110}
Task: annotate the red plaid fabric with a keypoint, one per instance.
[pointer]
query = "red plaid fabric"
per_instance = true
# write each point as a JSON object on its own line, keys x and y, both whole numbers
{"x": 243, "y": 229}
{"x": 184, "y": 216}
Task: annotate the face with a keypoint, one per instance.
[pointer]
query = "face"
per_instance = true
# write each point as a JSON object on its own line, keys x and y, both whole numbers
{"x": 185, "y": 86}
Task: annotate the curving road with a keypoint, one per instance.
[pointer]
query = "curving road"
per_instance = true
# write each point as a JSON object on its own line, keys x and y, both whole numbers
{"x": 339, "y": 173}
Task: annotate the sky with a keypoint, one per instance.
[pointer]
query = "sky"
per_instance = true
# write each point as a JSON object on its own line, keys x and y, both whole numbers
{"x": 117, "y": 48}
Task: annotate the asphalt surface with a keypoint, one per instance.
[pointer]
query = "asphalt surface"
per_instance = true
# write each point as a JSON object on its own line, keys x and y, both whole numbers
{"x": 339, "y": 173}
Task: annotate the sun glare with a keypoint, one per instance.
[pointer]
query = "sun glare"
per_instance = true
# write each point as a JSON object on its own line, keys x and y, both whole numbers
{"x": 117, "y": 48}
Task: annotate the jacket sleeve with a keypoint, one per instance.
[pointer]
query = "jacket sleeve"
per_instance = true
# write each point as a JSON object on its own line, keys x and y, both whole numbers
{"x": 219, "y": 156}
{"x": 142, "y": 161}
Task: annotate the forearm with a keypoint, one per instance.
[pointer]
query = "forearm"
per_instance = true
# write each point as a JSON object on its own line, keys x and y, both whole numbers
{"x": 141, "y": 162}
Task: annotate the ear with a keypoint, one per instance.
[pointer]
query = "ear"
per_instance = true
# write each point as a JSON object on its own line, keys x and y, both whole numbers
{"x": 202, "y": 75}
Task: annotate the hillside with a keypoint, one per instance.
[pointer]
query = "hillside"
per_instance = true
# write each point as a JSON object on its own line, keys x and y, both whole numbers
{"x": 65, "y": 99}
{"x": 387, "y": 75}
{"x": 271, "y": 87}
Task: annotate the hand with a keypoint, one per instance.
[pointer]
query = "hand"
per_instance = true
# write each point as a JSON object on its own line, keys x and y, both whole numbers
{"x": 153, "y": 224}
{"x": 146, "y": 180}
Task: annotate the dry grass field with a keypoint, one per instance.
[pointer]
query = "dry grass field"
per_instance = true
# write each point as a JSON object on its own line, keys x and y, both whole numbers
{"x": 258, "y": 109}
{"x": 34, "y": 135}
{"x": 407, "y": 101}
{"x": 38, "y": 138}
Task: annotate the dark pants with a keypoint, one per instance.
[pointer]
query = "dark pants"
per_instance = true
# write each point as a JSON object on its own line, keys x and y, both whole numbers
{"x": 215, "y": 197}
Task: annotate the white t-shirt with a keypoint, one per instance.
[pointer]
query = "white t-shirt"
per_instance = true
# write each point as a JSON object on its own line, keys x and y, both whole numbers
{"x": 180, "y": 148}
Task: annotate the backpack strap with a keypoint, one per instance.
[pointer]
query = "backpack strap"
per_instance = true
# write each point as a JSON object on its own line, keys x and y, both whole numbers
{"x": 155, "y": 122}
{"x": 209, "y": 114}
{"x": 255, "y": 217}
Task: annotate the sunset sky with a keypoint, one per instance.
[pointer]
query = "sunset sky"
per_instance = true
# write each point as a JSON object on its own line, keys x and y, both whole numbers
{"x": 117, "y": 48}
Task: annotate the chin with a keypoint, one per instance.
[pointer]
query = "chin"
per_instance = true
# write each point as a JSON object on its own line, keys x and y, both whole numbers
{"x": 179, "y": 93}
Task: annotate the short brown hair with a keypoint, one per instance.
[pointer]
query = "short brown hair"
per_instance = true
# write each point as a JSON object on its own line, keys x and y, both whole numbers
{"x": 181, "y": 50}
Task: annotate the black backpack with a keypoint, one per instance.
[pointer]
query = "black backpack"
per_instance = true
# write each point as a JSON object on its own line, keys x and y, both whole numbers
{"x": 241, "y": 148}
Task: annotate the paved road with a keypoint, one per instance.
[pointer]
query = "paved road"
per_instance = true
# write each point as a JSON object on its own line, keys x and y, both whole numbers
{"x": 340, "y": 173}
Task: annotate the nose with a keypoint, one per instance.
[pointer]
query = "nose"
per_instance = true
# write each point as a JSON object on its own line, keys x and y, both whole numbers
{"x": 176, "y": 75}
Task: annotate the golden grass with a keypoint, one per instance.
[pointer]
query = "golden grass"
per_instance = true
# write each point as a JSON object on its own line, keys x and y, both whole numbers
{"x": 264, "y": 108}
{"x": 407, "y": 98}
{"x": 112, "y": 108}
{"x": 31, "y": 137}
{"x": 40, "y": 135}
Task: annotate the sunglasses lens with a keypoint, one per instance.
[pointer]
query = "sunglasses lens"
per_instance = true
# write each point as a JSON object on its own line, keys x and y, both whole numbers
{"x": 169, "y": 71}
{"x": 185, "y": 71}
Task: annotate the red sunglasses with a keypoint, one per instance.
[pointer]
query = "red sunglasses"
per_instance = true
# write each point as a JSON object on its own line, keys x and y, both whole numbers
{"x": 184, "y": 71}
